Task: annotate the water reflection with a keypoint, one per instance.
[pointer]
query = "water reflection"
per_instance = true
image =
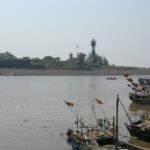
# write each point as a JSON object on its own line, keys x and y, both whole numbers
{"x": 139, "y": 109}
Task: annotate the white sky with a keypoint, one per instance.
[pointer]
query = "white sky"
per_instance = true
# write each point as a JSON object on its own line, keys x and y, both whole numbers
{"x": 38, "y": 28}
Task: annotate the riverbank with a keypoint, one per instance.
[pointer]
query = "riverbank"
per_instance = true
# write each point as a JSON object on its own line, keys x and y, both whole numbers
{"x": 100, "y": 72}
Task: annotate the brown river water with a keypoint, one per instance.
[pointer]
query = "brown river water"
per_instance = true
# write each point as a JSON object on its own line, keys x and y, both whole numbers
{"x": 33, "y": 115}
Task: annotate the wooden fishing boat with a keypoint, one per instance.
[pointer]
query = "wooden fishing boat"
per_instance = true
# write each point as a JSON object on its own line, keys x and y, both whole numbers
{"x": 140, "y": 99}
{"x": 144, "y": 81}
{"x": 79, "y": 141}
{"x": 140, "y": 129}
{"x": 98, "y": 139}
{"x": 90, "y": 140}
{"x": 140, "y": 90}
{"x": 92, "y": 137}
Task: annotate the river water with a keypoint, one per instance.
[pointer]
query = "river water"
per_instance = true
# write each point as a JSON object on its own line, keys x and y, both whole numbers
{"x": 33, "y": 115}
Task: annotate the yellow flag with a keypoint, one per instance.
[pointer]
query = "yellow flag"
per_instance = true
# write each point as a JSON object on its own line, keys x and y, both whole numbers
{"x": 71, "y": 104}
{"x": 98, "y": 101}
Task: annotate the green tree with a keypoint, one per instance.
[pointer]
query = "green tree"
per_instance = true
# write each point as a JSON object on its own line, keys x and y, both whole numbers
{"x": 81, "y": 59}
{"x": 48, "y": 59}
{"x": 7, "y": 55}
{"x": 105, "y": 61}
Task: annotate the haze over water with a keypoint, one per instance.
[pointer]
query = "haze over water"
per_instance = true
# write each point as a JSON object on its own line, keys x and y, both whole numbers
{"x": 33, "y": 113}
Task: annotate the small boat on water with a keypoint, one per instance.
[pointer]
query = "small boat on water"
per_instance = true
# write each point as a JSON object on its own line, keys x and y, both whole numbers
{"x": 111, "y": 78}
{"x": 140, "y": 99}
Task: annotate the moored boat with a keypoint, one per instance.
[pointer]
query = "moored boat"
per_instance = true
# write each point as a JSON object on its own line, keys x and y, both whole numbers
{"x": 140, "y": 99}
{"x": 140, "y": 129}
{"x": 98, "y": 139}
{"x": 90, "y": 140}
{"x": 144, "y": 81}
{"x": 140, "y": 92}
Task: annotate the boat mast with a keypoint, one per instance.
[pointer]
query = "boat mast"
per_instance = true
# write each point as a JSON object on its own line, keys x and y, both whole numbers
{"x": 114, "y": 127}
{"x": 95, "y": 115}
{"x": 117, "y": 105}
{"x": 77, "y": 123}
{"x": 81, "y": 126}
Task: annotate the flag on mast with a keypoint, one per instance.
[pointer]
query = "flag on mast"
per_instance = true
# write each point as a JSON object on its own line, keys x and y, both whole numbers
{"x": 71, "y": 104}
{"x": 98, "y": 101}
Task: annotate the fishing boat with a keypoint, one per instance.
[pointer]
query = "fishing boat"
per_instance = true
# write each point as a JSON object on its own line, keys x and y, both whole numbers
{"x": 144, "y": 81}
{"x": 79, "y": 145}
{"x": 111, "y": 78}
{"x": 140, "y": 99}
{"x": 88, "y": 136}
{"x": 140, "y": 93}
{"x": 90, "y": 140}
{"x": 97, "y": 139}
{"x": 140, "y": 129}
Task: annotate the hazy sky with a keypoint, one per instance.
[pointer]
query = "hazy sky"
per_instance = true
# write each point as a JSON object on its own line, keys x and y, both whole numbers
{"x": 38, "y": 28}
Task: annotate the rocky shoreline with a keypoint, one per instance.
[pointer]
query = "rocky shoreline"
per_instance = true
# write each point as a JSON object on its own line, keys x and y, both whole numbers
{"x": 100, "y": 72}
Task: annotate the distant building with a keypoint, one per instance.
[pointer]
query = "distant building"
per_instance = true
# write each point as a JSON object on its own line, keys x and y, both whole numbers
{"x": 71, "y": 56}
{"x": 93, "y": 60}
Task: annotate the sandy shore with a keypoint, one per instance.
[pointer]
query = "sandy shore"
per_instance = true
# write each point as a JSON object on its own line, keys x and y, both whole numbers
{"x": 100, "y": 72}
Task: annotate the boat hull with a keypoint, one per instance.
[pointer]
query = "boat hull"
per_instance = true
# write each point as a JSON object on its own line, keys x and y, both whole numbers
{"x": 139, "y": 133}
{"x": 140, "y": 100}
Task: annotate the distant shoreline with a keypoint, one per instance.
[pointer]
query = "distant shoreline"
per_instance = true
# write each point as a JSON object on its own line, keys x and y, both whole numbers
{"x": 46, "y": 72}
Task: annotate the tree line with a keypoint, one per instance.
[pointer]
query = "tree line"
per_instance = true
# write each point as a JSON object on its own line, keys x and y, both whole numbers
{"x": 8, "y": 60}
